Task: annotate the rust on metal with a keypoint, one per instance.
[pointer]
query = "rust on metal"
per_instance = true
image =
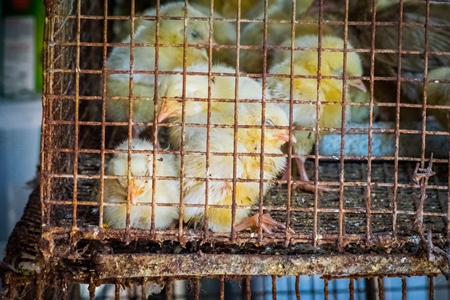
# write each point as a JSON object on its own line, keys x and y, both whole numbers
{"x": 144, "y": 265}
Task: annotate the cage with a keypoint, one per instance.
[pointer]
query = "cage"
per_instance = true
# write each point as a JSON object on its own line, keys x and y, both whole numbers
{"x": 362, "y": 83}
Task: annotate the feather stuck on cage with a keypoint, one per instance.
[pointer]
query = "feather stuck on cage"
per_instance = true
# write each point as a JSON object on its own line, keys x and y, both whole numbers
{"x": 331, "y": 91}
{"x": 170, "y": 56}
{"x": 140, "y": 187}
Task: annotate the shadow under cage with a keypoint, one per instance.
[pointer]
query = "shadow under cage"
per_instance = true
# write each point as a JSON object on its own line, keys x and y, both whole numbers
{"x": 234, "y": 149}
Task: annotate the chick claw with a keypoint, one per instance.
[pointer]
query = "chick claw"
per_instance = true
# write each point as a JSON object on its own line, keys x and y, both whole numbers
{"x": 267, "y": 223}
{"x": 308, "y": 186}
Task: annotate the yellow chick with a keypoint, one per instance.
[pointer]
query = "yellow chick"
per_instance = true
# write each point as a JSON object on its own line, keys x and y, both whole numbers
{"x": 331, "y": 91}
{"x": 229, "y": 8}
{"x": 140, "y": 187}
{"x": 196, "y": 103}
{"x": 171, "y": 33}
{"x": 438, "y": 93}
{"x": 220, "y": 170}
{"x": 224, "y": 33}
{"x": 251, "y": 60}
{"x": 332, "y": 64}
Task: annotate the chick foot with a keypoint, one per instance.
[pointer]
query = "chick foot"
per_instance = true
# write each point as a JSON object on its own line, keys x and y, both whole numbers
{"x": 306, "y": 185}
{"x": 267, "y": 223}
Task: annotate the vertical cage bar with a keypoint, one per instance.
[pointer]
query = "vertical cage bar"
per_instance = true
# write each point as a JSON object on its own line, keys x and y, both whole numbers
{"x": 325, "y": 288}
{"x": 76, "y": 118}
{"x": 404, "y": 288}
{"x": 155, "y": 118}
{"x": 46, "y": 130}
{"x": 397, "y": 109}
{"x": 248, "y": 290}
{"x": 380, "y": 288}
{"x": 288, "y": 168}
{"x": 263, "y": 118}
{"x": 430, "y": 288}
{"x": 343, "y": 131}
{"x": 274, "y": 287}
{"x": 183, "y": 125}
{"x": 235, "y": 128}
{"x": 196, "y": 288}
{"x": 315, "y": 234}
{"x": 169, "y": 288}
{"x": 116, "y": 291}
{"x": 351, "y": 288}
{"x": 222, "y": 287}
{"x": 91, "y": 289}
{"x": 208, "y": 121}
{"x": 370, "y": 133}
{"x": 297, "y": 287}
{"x": 130, "y": 118}
{"x": 101, "y": 197}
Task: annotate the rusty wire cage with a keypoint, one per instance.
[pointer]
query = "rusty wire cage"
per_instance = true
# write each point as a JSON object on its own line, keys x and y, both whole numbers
{"x": 387, "y": 213}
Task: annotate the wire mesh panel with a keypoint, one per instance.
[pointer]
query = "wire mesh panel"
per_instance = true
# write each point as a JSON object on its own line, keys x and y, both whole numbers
{"x": 191, "y": 139}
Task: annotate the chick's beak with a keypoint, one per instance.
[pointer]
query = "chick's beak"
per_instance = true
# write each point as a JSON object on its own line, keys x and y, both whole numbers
{"x": 135, "y": 192}
{"x": 285, "y": 137}
{"x": 357, "y": 83}
{"x": 165, "y": 112}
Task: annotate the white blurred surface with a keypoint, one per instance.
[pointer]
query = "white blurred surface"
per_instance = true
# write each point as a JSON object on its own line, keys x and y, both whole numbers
{"x": 20, "y": 124}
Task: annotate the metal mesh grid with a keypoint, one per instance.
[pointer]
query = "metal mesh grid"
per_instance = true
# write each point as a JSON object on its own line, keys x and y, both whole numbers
{"x": 387, "y": 204}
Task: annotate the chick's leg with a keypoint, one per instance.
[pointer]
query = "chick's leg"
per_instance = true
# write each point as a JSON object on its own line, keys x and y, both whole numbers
{"x": 305, "y": 184}
{"x": 267, "y": 223}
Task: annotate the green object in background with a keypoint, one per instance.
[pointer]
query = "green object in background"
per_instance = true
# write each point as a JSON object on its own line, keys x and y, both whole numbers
{"x": 22, "y": 33}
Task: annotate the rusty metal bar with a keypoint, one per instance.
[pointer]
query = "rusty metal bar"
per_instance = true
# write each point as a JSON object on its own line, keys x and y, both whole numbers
{"x": 404, "y": 290}
{"x": 297, "y": 287}
{"x": 144, "y": 265}
{"x": 430, "y": 287}
{"x": 380, "y": 284}
{"x": 248, "y": 290}
{"x": 274, "y": 287}
{"x": 351, "y": 288}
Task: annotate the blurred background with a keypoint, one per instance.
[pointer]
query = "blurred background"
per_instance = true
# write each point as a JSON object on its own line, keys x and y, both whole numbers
{"x": 21, "y": 35}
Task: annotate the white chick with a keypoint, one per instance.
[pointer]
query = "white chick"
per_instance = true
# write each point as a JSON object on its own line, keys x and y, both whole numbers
{"x": 140, "y": 187}
{"x": 170, "y": 56}
{"x": 196, "y": 103}
{"x": 220, "y": 170}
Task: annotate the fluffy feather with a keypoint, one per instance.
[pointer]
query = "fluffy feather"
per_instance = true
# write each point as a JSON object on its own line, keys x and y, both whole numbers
{"x": 247, "y": 167}
{"x": 331, "y": 91}
{"x": 141, "y": 187}
{"x": 171, "y": 33}
{"x": 196, "y": 103}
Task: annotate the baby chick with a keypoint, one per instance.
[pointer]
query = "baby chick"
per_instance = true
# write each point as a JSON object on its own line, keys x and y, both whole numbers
{"x": 196, "y": 110}
{"x": 140, "y": 186}
{"x": 220, "y": 170}
{"x": 171, "y": 34}
{"x": 224, "y": 33}
{"x": 438, "y": 93}
{"x": 229, "y": 8}
{"x": 331, "y": 89}
{"x": 251, "y": 60}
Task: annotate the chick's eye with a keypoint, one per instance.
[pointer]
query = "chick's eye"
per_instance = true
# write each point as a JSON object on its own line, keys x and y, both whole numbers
{"x": 195, "y": 34}
{"x": 269, "y": 122}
